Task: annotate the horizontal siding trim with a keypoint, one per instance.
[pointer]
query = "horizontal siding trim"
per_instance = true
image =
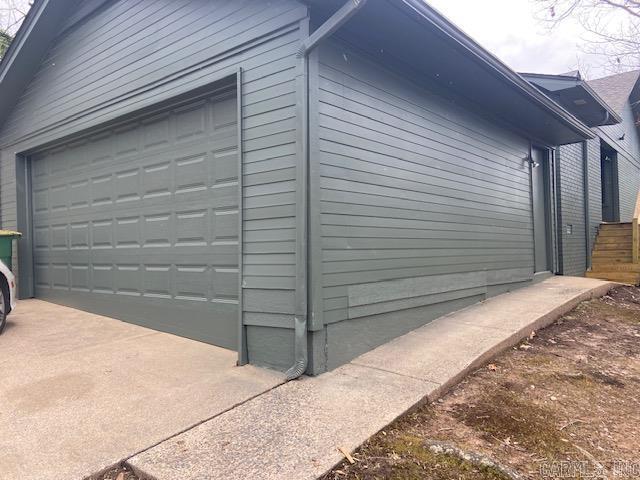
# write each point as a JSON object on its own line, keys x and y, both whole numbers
{"x": 253, "y": 56}
{"x": 414, "y": 302}
{"x": 351, "y": 75}
{"x": 232, "y": 40}
{"x": 272, "y": 320}
{"x": 369, "y": 293}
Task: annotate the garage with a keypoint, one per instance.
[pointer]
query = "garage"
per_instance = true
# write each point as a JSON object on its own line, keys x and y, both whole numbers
{"x": 139, "y": 220}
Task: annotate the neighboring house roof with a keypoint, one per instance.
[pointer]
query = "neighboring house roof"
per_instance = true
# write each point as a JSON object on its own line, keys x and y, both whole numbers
{"x": 463, "y": 66}
{"x": 572, "y": 73}
{"x": 577, "y": 96}
{"x": 616, "y": 89}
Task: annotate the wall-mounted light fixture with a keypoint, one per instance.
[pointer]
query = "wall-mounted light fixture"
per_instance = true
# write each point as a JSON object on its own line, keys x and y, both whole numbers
{"x": 530, "y": 161}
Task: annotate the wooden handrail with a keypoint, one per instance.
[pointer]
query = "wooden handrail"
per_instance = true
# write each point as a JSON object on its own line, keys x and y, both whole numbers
{"x": 636, "y": 232}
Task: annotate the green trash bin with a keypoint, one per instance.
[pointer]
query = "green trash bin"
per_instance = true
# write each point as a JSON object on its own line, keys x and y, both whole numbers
{"x": 6, "y": 246}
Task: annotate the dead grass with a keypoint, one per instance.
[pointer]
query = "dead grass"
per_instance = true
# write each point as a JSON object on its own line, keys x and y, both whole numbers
{"x": 116, "y": 473}
{"x": 405, "y": 457}
{"x": 570, "y": 394}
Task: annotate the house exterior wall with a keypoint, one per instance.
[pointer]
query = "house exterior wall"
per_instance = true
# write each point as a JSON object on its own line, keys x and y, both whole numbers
{"x": 126, "y": 56}
{"x": 628, "y": 149}
{"x": 631, "y": 141}
{"x": 574, "y": 247}
{"x": 423, "y": 206}
{"x": 419, "y": 204}
{"x": 572, "y": 219}
{"x": 595, "y": 188}
{"x": 629, "y": 181}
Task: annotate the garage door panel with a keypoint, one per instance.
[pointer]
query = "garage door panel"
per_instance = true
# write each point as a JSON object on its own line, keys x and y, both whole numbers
{"x": 79, "y": 236}
{"x": 142, "y": 214}
{"x": 191, "y": 282}
{"x": 80, "y": 281}
{"x": 220, "y": 201}
{"x": 222, "y": 254}
{"x": 157, "y": 313}
{"x": 182, "y": 180}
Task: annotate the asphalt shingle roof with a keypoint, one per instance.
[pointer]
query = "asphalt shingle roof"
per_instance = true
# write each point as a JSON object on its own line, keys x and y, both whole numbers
{"x": 615, "y": 89}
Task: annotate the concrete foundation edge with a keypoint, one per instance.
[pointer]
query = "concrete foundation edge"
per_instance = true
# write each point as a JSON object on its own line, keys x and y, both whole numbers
{"x": 517, "y": 337}
{"x": 542, "y": 322}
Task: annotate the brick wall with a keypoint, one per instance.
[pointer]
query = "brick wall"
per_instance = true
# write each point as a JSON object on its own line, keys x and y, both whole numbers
{"x": 573, "y": 251}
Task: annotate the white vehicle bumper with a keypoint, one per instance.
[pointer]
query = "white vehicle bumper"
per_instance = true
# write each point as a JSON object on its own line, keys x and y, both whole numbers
{"x": 11, "y": 281}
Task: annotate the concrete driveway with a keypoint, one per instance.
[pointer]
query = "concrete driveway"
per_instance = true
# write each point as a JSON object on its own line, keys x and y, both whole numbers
{"x": 80, "y": 392}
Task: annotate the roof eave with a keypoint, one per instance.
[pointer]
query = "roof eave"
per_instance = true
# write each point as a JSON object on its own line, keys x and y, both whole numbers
{"x": 27, "y": 50}
{"x": 530, "y": 77}
{"x": 502, "y": 70}
{"x": 41, "y": 13}
{"x": 612, "y": 113}
{"x": 28, "y": 24}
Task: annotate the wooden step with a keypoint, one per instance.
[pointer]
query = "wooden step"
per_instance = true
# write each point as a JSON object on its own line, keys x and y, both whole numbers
{"x": 610, "y": 260}
{"x": 614, "y": 225}
{"x": 616, "y": 267}
{"x": 626, "y": 253}
{"x": 615, "y": 233}
{"x": 621, "y": 277}
{"x": 626, "y": 250}
{"x": 614, "y": 239}
{"x": 613, "y": 246}
{"x": 612, "y": 253}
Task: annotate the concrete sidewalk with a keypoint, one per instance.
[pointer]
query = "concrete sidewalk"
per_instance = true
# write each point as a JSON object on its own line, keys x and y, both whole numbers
{"x": 294, "y": 431}
{"x": 81, "y": 392}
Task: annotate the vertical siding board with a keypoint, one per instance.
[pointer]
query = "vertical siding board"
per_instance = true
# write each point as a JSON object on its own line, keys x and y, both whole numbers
{"x": 242, "y": 333}
{"x": 315, "y": 192}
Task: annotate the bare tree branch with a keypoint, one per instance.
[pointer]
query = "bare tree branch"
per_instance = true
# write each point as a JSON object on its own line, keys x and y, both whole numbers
{"x": 12, "y": 13}
{"x": 629, "y": 7}
{"x": 612, "y": 27}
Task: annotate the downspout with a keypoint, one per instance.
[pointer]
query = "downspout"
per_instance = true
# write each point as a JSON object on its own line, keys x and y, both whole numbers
{"x": 587, "y": 214}
{"x": 339, "y": 18}
{"x": 556, "y": 161}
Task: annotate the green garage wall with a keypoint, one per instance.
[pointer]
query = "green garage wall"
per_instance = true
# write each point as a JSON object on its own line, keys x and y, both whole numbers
{"x": 420, "y": 202}
{"x": 424, "y": 205}
{"x": 111, "y": 61}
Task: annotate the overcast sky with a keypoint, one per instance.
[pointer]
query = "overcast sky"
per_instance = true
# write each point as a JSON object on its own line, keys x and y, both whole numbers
{"x": 510, "y": 29}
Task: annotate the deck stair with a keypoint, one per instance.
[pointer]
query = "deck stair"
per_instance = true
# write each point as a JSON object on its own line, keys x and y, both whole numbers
{"x": 616, "y": 254}
{"x": 612, "y": 257}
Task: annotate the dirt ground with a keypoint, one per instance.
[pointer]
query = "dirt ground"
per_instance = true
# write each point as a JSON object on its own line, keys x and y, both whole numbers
{"x": 563, "y": 404}
{"x": 116, "y": 473}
